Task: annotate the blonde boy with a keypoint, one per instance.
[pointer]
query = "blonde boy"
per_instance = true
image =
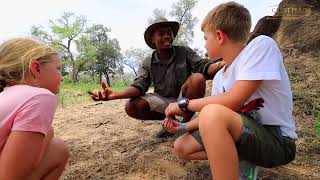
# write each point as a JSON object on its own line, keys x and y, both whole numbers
{"x": 264, "y": 137}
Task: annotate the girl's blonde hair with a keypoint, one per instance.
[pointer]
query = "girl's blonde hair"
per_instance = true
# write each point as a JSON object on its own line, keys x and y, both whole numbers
{"x": 16, "y": 56}
{"x": 231, "y": 18}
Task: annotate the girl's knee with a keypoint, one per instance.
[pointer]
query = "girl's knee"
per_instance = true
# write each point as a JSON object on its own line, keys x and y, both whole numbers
{"x": 61, "y": 149}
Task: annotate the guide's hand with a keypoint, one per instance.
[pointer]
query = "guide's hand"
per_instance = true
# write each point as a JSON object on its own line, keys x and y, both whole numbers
{"x": 103, "y": 95}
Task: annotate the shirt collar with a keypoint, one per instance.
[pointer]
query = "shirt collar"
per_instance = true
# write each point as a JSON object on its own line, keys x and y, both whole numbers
{"x": 156, "y": 58}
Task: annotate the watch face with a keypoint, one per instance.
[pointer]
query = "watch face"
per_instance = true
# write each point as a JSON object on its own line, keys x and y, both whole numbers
{"x": 183, "y": 103}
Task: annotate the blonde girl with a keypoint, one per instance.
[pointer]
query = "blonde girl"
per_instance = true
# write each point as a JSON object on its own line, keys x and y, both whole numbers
{"x": 29, "y": 81}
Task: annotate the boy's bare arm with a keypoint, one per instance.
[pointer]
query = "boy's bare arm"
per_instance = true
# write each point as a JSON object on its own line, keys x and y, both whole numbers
{"x": 192, "y": 125}
{"x": 233, "y": 99}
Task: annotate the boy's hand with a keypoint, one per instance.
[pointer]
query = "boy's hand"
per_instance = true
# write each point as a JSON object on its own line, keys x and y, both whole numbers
{"x": 103, "y": 95}
{"x": 171, "y": 125}
{"x": 172, "y": 110}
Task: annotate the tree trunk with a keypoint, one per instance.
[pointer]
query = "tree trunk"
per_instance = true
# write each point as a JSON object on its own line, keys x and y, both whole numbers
{"x": 77, "y": 75}
{"x": 107, "y": 79}
{"x": 74, "y": 73}
{"x": 100, "y": 77}
{"x": 74, "y": 67}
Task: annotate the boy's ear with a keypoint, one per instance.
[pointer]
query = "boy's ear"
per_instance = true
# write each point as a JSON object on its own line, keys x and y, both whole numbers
{"x": 220, "y": 36}
{"x": 35, "y": 68}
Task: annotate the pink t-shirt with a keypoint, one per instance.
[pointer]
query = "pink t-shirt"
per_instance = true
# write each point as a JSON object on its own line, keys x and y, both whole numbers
{"x": 25, "y": 108}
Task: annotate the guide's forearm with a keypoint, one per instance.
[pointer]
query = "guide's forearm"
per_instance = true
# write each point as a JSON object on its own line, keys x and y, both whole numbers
{"x": 214, "y": 68}
{"x": 130, "y": 92}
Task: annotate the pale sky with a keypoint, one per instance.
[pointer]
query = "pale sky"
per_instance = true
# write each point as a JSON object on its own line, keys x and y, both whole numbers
{"x": 126, "y": 18}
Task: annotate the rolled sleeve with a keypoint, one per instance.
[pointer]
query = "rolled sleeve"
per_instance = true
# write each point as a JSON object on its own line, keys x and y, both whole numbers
{"x": 143, "y": 79}
{"x": 263, "y": 61}
{"x": 36, "y": 115}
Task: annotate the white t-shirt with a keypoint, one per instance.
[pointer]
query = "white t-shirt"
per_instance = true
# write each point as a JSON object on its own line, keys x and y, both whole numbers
{"x": 261, "y": 59}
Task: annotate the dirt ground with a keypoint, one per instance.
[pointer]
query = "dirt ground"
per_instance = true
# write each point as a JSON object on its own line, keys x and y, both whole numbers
{"x": 105, "y": 143}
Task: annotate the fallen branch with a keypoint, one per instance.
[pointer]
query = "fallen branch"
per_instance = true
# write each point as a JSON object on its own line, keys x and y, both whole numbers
{"x": 95, "y": 104}
{"x": 102, "y": 123}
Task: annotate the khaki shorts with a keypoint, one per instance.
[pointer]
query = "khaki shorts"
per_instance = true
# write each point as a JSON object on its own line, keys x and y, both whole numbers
{"x": 157, "y": 103}
{"x": 262, "y": 145}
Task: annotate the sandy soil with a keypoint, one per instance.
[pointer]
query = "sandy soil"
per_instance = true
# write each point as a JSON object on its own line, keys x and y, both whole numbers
{"x": 105, "y": 143}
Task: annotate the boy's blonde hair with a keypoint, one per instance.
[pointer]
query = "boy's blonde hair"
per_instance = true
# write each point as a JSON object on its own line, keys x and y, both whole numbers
{"x": 16, "y": 56}
{"x": 231, "y": 18}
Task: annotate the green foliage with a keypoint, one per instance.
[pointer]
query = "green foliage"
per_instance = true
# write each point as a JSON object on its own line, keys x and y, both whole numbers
{"x": 87, "y": 53}
{"x": 88, "y": 78}
{"x": 66, "y": 79}
{"x": 157, "y": 13}
{"x": 64, "y": 31}
{"x": 107, "y": 52}
{"x": 181, "y": 11}
{"x": 118, "y": 86}
{"x": 71, "y": 93}
{"x": 96, "y": 53}
{"x": 68, "y": 26}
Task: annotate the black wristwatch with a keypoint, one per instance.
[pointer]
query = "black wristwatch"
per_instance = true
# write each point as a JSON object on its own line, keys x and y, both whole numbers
{"x": 183, "y": 104}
